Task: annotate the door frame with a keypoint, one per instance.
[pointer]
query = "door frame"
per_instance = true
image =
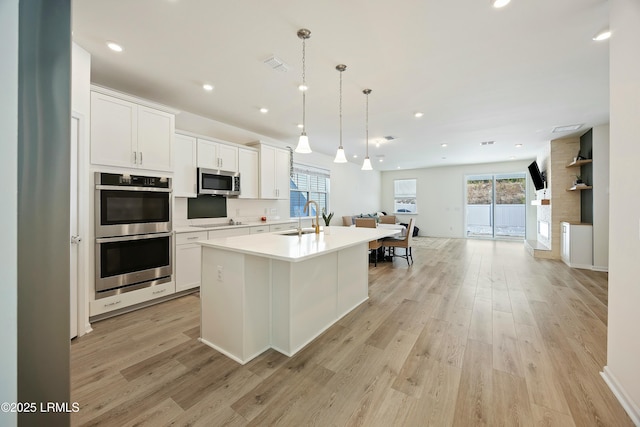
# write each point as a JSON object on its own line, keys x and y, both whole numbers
{"x": 82, "y": 158}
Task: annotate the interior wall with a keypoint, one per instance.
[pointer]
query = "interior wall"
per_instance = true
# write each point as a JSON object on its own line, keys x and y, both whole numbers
{"x": 8, "y": 214}
{"x": 44, "y": 108}
{"x": 441, "y": 195}
{"x": 623, "y": 346}
{"x": 601, "y": 198}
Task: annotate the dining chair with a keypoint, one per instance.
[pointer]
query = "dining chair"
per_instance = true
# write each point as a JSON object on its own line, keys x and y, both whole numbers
{"x": 374, "y": 245}
{"x": 388, "y": 219}
{"x": 405, "y": 242}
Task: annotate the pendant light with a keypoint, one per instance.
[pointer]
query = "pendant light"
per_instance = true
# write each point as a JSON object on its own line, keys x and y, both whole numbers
{"x": 303, "y": 142}
{"x": 366, "y": 165}
{"x": 340, "y": 157}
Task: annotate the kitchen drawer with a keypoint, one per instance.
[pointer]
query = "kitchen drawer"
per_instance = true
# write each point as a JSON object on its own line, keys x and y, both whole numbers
{"x": 260, "y": 229}
{"x": 191, "y": 237}
{"x": 116, "y": 302}
{"x": 280, "y": 227}
{"x": 227, "y": 232}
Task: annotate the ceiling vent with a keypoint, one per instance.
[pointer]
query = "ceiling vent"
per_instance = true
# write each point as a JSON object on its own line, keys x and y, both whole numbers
{"x": 277, "y": 64}
{"x": 389, "y": 138}
{"x": 567, "y": 128}
{"x": 487, "y": 143}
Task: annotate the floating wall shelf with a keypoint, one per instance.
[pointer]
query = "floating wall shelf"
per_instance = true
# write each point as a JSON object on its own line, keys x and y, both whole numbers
{"x": 579, "y": 163}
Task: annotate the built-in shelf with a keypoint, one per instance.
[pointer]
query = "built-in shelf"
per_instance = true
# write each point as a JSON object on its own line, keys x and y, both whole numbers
{"x": 541, "y": 202}
{"x": 580, "y": 188}
{"x": 578, "y": 163}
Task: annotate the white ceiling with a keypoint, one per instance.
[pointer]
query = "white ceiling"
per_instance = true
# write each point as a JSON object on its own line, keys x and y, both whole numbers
{"x": 477, "y": 73}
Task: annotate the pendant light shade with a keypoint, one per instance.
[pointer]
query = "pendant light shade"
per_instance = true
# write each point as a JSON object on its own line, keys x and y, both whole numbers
{"x": 366, "y": 165}
{"x": 340, "y": 157}
{"x": 303, "y": 146}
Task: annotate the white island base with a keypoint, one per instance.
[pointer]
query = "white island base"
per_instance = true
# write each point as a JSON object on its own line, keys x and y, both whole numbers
{"x": 255, "y": 301}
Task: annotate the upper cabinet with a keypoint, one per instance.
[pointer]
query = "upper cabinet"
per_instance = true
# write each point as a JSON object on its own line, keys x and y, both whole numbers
{"x": 184, "y": 159}
{"x": 216, "y": 155}
{"x": 274, "y": 172}
{"x": 131, "y": 135}
{"x": 248, "y": 165}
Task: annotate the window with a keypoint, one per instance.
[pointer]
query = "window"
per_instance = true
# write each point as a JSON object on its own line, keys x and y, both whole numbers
{"x": 404, "y": 196}
{"x": 308, "y": 183}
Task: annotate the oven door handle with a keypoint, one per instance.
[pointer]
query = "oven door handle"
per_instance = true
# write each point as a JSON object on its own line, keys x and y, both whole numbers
{"x": 134, "y": 237}
{"x": 125, "y": 188}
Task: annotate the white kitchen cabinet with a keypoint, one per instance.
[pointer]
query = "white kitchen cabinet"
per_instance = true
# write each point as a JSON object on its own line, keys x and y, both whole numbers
{"x": 188, "y": 260}
{"x": 259, "y": 229}
{"x": 248, "y": 166}
{"x": 283, "y": 226}
{"x": 184, "y": 159}
{"x": 128, "y": 299}
{"x": 576, "y": 245}
{"x": 216, "y": 155}
{"x": 227, "y": 232}
{"x": 126, "y": 134}
{"x": 274, "y": 172}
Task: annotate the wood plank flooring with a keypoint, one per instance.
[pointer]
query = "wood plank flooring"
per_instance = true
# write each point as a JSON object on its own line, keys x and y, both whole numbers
{"x": 474, "y": 333}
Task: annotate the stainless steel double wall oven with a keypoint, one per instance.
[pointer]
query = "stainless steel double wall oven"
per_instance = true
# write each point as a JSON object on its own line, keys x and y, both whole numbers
{"x": 133, "y": 228}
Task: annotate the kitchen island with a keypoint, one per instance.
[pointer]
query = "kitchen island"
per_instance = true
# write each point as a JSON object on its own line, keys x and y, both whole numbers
{"x": 281, "y": 290}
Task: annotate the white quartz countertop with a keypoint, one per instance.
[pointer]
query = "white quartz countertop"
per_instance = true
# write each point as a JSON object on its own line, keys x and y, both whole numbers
{"x": 295, "y": 248}
{"x": 223, "y": 226}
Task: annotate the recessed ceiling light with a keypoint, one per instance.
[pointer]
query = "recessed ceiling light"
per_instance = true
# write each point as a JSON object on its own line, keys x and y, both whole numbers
{"x": 444, "y": 144}
{"x": 518, "y": 145}
{"x": 398, "y": 167}
{"x": 381, "y": 160}
{"x": 499, "y": 3}
{"x": 207, "y": 87}
{"x": 115, "y": 46}
{"x": 418, "y": 115}
{"x": 264, "y": 110}
{"x": 512, "y": 158}
{"x": 300, "y": 125}
{"x": 302, "y": 88}
{"x": 566, "y": 128}
{"x": 602, "y": 35}
{"x": 355, "y": 156}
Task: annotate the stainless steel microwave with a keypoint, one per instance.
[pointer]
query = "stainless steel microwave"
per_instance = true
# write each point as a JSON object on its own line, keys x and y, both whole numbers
{"x": 218, "y": 182}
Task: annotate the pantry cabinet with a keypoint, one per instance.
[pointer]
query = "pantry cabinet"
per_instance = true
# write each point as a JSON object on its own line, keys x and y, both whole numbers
{"x": 127, "y": 134}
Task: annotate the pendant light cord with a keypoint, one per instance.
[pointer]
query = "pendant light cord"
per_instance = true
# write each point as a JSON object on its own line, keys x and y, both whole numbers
{"x": 304, "y": 91}
{"x": 367, "y": 125}
{"x": 340, "y": 109}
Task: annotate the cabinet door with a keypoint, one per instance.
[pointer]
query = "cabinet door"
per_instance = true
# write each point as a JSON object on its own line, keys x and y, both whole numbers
{"x": 282, "y": 174}
{"x": 248, "y": 168}
{"x": 228, "y": 158}
{"x": 188, "y": 263}
{"x": 267, "y": 172}
{"x": 113, "y": 131}
{"x": 155, "y": 139}
{"x": 184, "y": 159}
{"x": 207, "y": 154}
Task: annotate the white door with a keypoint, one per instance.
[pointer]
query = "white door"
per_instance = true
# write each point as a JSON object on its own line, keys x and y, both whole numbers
{"x": 73, "y": 229}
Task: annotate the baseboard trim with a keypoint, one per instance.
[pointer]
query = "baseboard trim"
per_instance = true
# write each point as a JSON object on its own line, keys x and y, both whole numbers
{"x": 603, "y": 269}
{"x": 632, "y": 410}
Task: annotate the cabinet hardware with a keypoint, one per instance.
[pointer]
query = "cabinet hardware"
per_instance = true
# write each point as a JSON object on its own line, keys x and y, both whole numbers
{"x": 113, "y": 303}
{"x": 141, "y": 157}
{"x": 158, "y": 292}
{"x": 193, "y": 238}
{"x": 135, "y": 158}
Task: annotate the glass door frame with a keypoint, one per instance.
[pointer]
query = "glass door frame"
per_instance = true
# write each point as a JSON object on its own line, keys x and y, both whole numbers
{"x": 493, "y": 177}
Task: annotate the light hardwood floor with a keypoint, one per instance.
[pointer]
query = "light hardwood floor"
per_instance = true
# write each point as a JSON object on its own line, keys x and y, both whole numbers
{"x": 474, "y": 333}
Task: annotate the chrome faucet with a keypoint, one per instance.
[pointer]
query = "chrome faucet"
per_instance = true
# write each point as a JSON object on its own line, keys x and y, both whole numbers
{"x": 317, "y": 224}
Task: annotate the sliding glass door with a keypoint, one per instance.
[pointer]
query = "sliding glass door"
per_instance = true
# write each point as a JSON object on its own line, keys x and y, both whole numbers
{"x": 496, "y": 206}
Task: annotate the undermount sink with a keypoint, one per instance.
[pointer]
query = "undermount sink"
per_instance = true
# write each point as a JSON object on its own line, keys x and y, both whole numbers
{"x": 295, "y": 232}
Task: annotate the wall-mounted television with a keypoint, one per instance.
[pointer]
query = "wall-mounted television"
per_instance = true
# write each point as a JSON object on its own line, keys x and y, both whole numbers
{"x": 536, "y": 176}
